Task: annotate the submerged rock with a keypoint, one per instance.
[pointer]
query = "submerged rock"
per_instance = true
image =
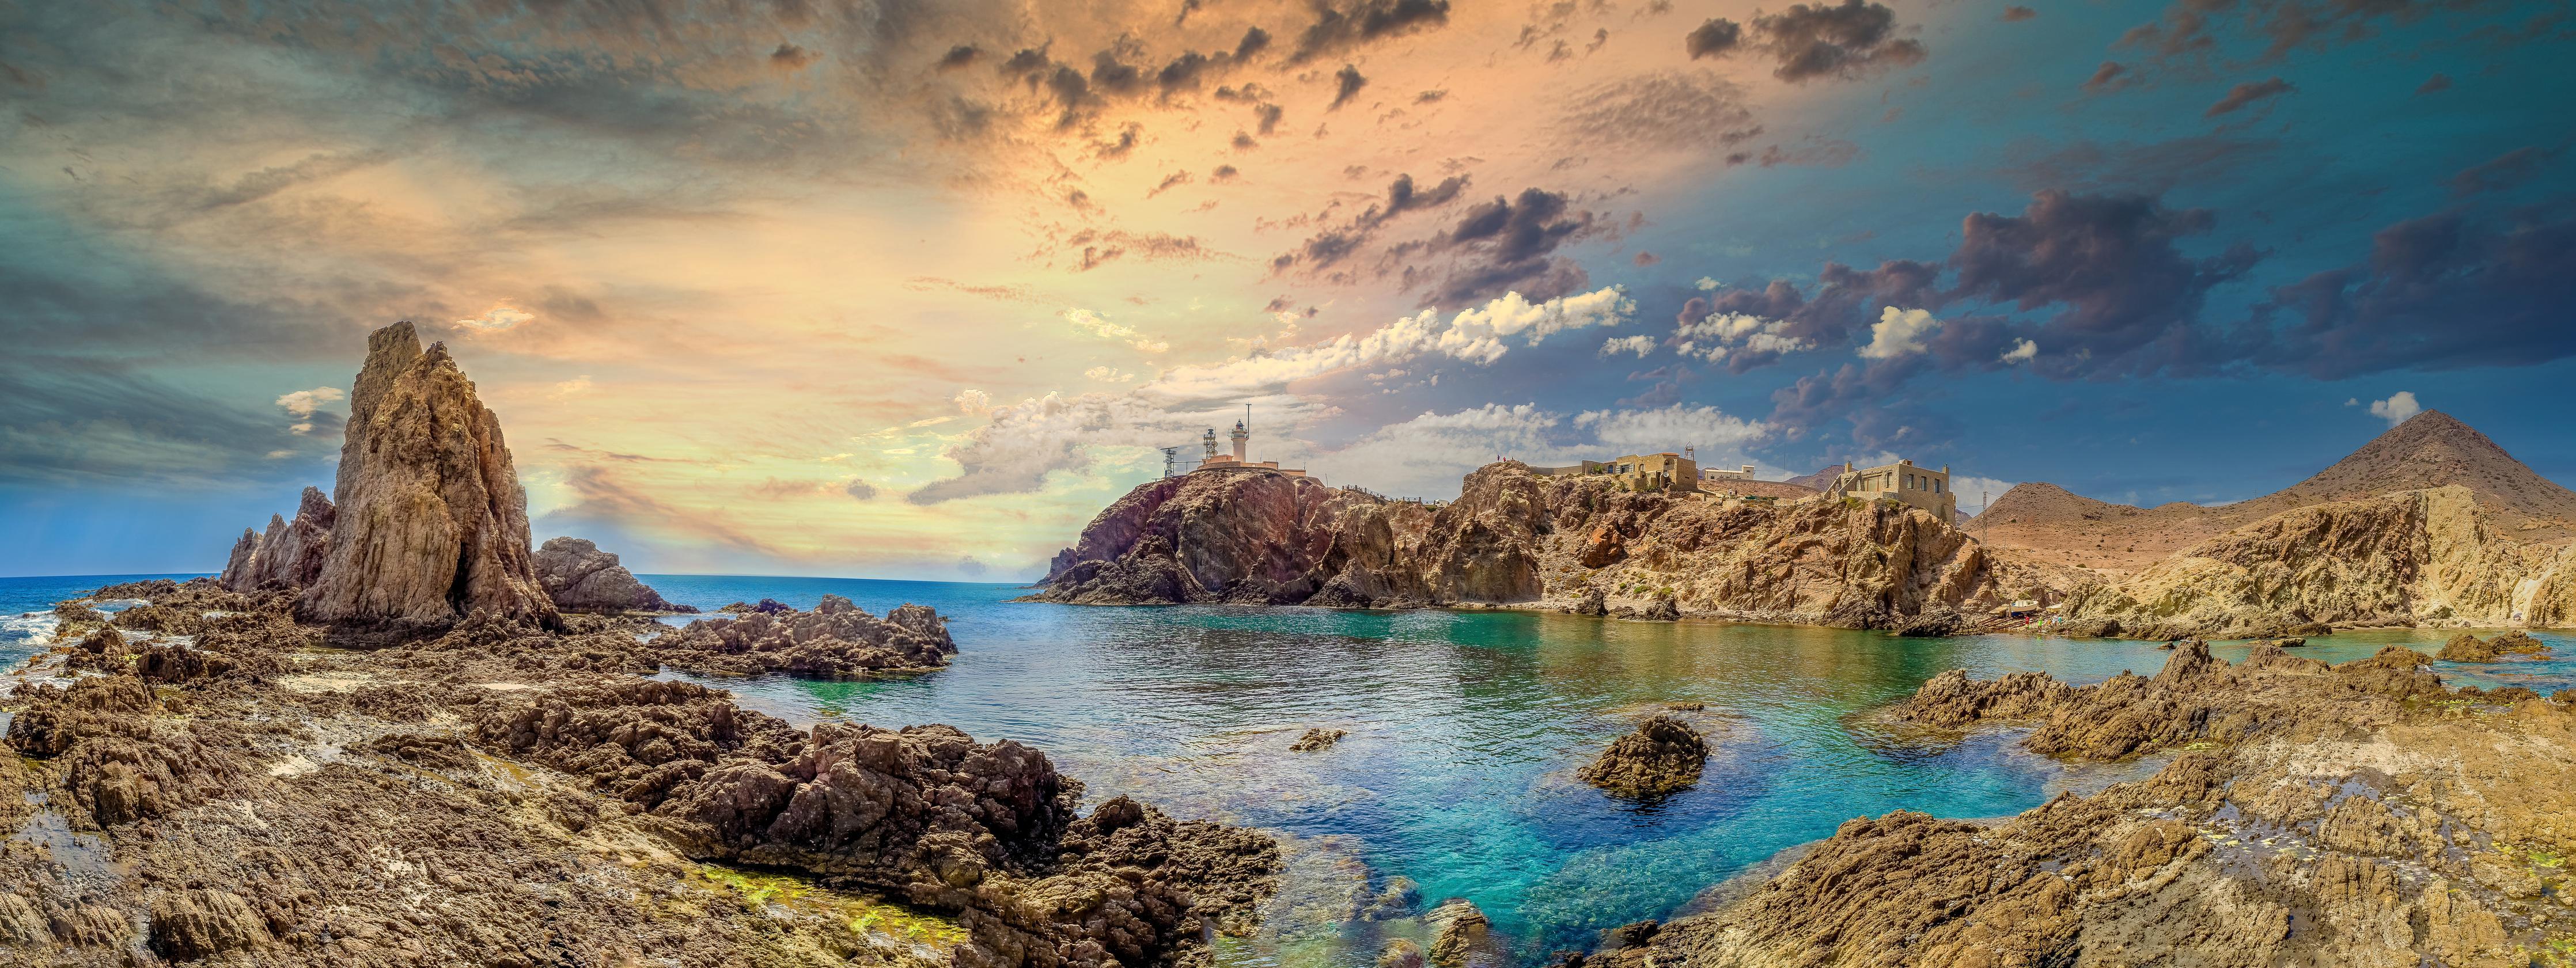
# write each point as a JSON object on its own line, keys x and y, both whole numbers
{"x": 1465, "y": 933}
{"x": 1400, "y": 953}
{"x": 1664, "y": 755}
{"x": 431, "y": 522}
{"x": 581, "y": 578}
{"x": 1316, "y": 739}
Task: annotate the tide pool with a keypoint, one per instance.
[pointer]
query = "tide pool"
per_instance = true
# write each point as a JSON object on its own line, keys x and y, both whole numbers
{"x": 1465, "y": 729}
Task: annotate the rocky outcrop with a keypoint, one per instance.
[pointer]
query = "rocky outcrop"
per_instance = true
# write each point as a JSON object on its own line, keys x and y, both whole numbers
{"x": 431, "y": 521}
{"x": 2469, "y": 648}
{"x": 1662, "y": 756}
{"x": 289, "y": 553}
{"x": 1315, "y": 740}
{"x": 2313, "y": 816}
{"x": 1465, "y": 937}
{"x": 837, "y": 640}
{"x": 579, "y": 577}
{"x": 2427, "y": 556}
{"x": 1513, "y": 537}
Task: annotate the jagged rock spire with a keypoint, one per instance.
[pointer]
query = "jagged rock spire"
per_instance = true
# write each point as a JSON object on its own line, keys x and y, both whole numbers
{"x": 432, "y": 523}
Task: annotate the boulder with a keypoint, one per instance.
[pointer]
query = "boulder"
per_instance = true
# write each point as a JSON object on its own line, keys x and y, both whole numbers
{"x": 1316, "y": 739}
{"x": 837, "y": 640}
{"x": 1592, "y": 602}
{"x": 431, "y": 522}
{"x": 581, "y": 578}
{"x": 1663, "y": 756}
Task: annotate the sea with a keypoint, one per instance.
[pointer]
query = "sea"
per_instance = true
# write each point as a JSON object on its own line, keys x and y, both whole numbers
{"x": 1464, "y": 731}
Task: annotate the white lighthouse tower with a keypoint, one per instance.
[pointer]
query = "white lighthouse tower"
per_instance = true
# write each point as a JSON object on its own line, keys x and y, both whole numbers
{"x": 1241, "y": 435}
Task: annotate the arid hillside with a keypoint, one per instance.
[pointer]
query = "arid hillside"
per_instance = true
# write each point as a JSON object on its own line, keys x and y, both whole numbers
{"x": 2045, "y": 525}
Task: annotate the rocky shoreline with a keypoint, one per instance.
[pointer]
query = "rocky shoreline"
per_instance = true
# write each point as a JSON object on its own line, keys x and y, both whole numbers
{"x": 2361, "y": 814}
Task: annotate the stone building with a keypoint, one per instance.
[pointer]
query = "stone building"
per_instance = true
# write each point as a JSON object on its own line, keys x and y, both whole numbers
{"x": 1901, "y": 481}
{"x": 1644, "y": 472}
{"x": 1715, "y": 475}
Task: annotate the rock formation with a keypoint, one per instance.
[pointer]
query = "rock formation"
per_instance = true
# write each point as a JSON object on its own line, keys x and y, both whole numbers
{"x": 1513, "y": 537}
{"x": 1465, "y": 933}
{"x": 1317, "y": 739}
{"x": 2352, "y": 815}
{"x": 289, "y": 552}
{"x": 2408, "y": 557}
{"x": 1662, "y": 756}
{"x": 432, "y": 523}
{"x": 578, "y": 577}
{"x": 2469, "y": 648}
{"x": 837, "y": 640}
{"x": 521, "y": 796}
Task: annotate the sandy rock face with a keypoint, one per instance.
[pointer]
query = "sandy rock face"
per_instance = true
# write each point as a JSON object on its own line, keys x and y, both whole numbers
{"x": 1663, "y": 756}
{"x": 431, "y": 521}
{"x": 289, "y": 552}
{"x": 1249, "y": 537}
{"x": 579, "y": 577}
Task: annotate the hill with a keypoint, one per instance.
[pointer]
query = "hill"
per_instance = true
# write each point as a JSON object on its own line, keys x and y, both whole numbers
{"x": 2045, "y": 523}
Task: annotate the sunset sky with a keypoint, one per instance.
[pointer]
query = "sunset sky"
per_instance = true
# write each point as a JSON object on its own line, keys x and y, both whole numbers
{"x": 914, "y": 288}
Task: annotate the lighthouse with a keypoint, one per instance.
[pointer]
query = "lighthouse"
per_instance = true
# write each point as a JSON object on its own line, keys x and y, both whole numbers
{"x": 1240, "y": 435}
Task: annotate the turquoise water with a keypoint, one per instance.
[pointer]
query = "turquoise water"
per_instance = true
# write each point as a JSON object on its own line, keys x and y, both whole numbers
{"x": 1465, "y": 729}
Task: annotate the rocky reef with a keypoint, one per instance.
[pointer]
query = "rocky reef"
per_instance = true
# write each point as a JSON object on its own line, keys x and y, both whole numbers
{"x": 2469, "y": 648}
{"x": 2361, "y": 814}
{"x": 505, "y": 793}
{"x": 837, "y": 640}
{"x": 1662, "y": 756}
{"x": 578, "y": 577}
{"x": 1583, "y": 544}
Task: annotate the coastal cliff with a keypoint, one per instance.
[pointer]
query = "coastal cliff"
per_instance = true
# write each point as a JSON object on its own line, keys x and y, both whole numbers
{"x": 1512, "y": 537}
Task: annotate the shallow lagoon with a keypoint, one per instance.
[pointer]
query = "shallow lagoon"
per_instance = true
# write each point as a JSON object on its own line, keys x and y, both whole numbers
{"x": 1465, "y": 729}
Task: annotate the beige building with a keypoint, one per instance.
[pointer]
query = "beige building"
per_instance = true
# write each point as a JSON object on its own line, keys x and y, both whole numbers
{"x": 1714, "y": 474}
{"x": 1901, "y": 481}
{"x": 1242, "y": 436}
{"x": 1649, "y": 472}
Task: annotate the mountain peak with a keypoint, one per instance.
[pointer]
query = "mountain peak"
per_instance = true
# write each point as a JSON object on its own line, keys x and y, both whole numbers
{"x": 2433, "y": 449}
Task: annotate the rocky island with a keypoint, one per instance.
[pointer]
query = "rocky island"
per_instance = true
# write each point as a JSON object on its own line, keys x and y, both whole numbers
{"x": 476, "y": 773}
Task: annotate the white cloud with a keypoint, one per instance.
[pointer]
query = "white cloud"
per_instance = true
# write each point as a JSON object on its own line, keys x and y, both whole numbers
{"x": 1973, "y": 492}
{"x": 302, "y": 403}
{"x": 973, "y": 401}
{"x": 1717, "y": 334}
{"x": 1100, "y": 326}
{"x": 2021, "y": 351}
{"x": 2396, "y": 408}
{"x": 1640, "y": 345}
{"x": 1707, "y": 284}
{"x": 1900, "y": 332}
{"x": 2352, "y": 401}
{"x": 496, "y": 319}
{"x": 1029, "y": 440}
{"x": 275, "y": 454}
{"x": 1109, "y": 374}
{"x": 572, "y": 386}
{"x": 1671, "y": 428}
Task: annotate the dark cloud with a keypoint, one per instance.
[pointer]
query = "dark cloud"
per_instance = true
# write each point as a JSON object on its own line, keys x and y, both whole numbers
{"x": 1342, "y": 25}
{"x": 859, "y": 490}
{"x": 959, "y": 56}
{"x": 2434, "y": 84}
{"x": 1169, "y": 182}
{"x": 1715, "y": 37}
{"x": 1346, "y": 84}
{"x": 1243, "y": 141}
{"x": 1223, "y": 173}
{"x": 1846, "y": 302}
{"x": 2111, "y": 76}
{"x": 1508, "y": 245}
{"x": 789, "y": 57}
{"x": 2248, "y": 93}
{"x": 1331, "y": 246}
{"x": 1663, "y": 110}
{"x": 1853, "y": 39}
{"x": 2128, "y": 297}
{"x": 2190, "y": 28}
{"x": 1430, "y": 97}
{"x": 2018, "y": 14}
{"x": 2436, "y": 292}
{"x": 1644, "y": 259}
{"x": 1269, "y": 115}
{"x": 2151, "y": 168}
{"x": 2505, "y": 171}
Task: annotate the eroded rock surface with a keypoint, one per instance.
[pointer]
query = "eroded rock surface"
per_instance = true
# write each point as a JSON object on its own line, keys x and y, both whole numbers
{"x": 1662, "y": 756}
{"x": 289, "y": 553}
{"x": 430, "y": 523}
{"x": 579, "y": 577}
{"x": 2359, "y": 814}
{"x": 837, "y": 640}
{"x": 508, "y": 794}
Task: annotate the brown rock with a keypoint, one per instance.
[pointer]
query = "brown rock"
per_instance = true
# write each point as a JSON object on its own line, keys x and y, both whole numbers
{"x": 1465, "y": 932}
{"x": 1316, "y": 739}
{"x": 290, "y": 553}
{"x": 837, "y": 640}
{"x": 579, "y": 577}
{"x": 1663, "y": 756}
{"x": 188, "y": 925}
{"x": 431, "y": 522}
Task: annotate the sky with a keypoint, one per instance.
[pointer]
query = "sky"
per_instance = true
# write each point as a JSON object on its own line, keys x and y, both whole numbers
{"x": 912, "y": 289}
